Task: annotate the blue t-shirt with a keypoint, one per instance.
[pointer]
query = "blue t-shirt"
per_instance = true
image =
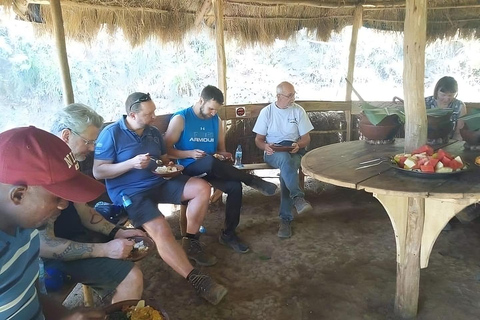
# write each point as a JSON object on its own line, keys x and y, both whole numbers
{"x": 18, "y": 273}
{"x": 197, "y": 134}
{"x": 117, "y": 143}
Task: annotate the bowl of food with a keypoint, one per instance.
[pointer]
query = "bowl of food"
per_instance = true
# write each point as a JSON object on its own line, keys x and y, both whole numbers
{"x": 133, "y": 310}
{"x": 169, "y": 171}
{"x": 143, "y": 246}
{"x": 221, "y": 157}
{"x": 425, "y": 162}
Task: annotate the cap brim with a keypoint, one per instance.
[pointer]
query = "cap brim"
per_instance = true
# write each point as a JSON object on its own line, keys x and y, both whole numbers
{"x": 81, "y": 188}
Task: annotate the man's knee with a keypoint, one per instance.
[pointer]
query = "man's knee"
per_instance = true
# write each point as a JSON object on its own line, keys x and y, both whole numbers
{"x": 198, "y": 187}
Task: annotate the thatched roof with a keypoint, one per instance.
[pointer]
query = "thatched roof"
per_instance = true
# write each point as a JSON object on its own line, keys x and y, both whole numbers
{"x": 249, "y": 21}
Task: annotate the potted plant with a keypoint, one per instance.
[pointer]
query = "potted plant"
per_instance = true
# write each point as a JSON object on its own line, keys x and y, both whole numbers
{"x": 380, "y": 123}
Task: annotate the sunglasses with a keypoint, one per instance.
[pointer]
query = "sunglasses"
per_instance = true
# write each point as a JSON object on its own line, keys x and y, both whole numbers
{"x": 87, "y": 142}
{"x": 144, "y": 98}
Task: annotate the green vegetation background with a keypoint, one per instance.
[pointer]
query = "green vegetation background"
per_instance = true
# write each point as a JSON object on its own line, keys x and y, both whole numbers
{"x": 105, "y": 71}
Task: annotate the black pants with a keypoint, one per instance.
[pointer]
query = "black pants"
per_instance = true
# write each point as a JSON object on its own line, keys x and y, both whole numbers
{"x": 222, "y": 175}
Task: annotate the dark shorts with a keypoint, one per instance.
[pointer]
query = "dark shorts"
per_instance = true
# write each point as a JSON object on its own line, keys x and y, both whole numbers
{"x": 144, "y": 205}
{"x": 102, "y": 274}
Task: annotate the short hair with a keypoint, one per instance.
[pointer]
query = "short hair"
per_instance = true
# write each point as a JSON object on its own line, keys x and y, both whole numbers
{"x": 212, "y": 93}
{"x": 281, "y": 86}
{"x": 445, "y": 84}
{"x": 76, "y": 117}
{"x": 132, "y": 104}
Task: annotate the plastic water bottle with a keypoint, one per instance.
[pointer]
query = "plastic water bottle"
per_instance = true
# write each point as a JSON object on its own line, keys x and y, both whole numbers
{"x": 126, "y": 201}
{"x": 238, "y": 157}
{"x": 41, "y": 276}
{"x": 202, "y": 229}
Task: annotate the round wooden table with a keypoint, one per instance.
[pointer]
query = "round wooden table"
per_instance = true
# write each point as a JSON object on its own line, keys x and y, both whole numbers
{"x": 418, "y": 207}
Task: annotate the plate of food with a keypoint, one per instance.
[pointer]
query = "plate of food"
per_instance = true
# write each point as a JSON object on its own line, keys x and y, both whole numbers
{"x": 221, "y": 157}
{"x": 168, "y": 171}
{"x": 280, "y": 148}
{"x": 143, "y": 246}
{"x": 427, "y": 163}
{"x": 133, "y": 310}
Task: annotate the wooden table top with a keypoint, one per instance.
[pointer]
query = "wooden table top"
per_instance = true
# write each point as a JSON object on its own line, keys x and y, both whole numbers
{"x": 336, "y": 163}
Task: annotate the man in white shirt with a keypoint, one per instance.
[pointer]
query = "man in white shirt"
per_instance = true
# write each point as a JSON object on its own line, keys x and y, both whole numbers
{"x": 286, "y": 123}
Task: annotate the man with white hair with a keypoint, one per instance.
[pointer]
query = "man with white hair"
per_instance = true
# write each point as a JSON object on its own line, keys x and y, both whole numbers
{"x": 67, "y": 241}
{"x": 286, "y": 123}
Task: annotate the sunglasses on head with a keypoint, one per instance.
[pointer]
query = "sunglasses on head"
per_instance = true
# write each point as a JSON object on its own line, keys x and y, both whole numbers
{"x": 144, "y": 98}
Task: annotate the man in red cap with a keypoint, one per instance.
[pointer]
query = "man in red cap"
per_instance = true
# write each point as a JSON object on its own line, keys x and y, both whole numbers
{"x": 38, "y": 176}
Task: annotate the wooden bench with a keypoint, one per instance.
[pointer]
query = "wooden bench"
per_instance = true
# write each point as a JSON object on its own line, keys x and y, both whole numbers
{"x": 240, "y": 119}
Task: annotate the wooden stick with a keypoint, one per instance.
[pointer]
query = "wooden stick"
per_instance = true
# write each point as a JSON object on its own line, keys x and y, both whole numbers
{"x": 201, "y": 13}
{"x": 357, "y": 24}
{"x": 62, "y": 51}
{"x": 220, "y": 43}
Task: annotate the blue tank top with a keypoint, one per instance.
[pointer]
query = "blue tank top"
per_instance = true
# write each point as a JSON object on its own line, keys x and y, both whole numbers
{"x": 197, "y": 134}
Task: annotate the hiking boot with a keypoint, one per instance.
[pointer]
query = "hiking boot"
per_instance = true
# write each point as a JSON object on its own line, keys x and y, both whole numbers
{"x": 285, "y": 229}
{"x": 265, "y": 187}
{"x": 206, "y": 287}
{"x": 302, "y": 205}
{"x": 195, "y": 251}
{"x": 233, "y": 242}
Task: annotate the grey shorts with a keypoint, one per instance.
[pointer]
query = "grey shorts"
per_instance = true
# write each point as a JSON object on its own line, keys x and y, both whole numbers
{"x": 144, "y": 205}
{"x": 102, "y": 274}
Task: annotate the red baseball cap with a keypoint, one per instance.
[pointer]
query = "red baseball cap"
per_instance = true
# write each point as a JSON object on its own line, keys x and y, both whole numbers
{"x": 34, "y": 157}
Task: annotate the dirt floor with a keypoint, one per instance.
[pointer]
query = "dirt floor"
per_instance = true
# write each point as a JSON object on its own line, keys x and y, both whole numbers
{"x": 339, "y": 264}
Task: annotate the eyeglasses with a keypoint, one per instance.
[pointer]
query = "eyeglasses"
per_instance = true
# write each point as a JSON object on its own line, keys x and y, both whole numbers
{"x": 290, "y": 96}
{"x": 144, "y": 98}
{"x": 87, "y": 142}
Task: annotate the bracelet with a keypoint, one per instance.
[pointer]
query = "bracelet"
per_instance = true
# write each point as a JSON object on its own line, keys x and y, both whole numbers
{"x": 114, "y": 231}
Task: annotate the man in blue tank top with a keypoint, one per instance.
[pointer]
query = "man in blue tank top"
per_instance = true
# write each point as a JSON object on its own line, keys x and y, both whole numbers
{"x": 195, "y": 136}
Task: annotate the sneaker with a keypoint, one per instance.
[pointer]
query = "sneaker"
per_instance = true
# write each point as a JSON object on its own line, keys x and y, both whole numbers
{"x": 233, "y": 242}
{"x": 265, "y": 187}
{"x": 195, "y": 251}
{"x": 206, "y": 287}
{"x": 285, "y": 229}
{"x": 302, "y": 205}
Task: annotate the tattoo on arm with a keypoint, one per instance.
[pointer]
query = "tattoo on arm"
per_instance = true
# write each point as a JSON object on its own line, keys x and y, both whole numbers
{"x": 77, "y": 250}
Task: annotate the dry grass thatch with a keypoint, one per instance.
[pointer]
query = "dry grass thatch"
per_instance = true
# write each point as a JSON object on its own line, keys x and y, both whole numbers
{"x": 248, "y": 21}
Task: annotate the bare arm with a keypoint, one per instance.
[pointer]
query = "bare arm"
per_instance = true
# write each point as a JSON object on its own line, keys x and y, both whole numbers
{"x": 105, "y": 169}
{"x": 92, "y": 220}
{"x": 261, "y": 143}
{"x": 301, "y": 143}
{"x": 52, "y": 247}
{"x": 174, "y": 130}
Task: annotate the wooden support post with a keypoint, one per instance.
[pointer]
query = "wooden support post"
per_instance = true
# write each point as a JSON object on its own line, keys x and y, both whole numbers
{"x": 408, "y": 268}
{"x": 414, "y": 74}
{"x": 62, "y": 51}
{"x": 357, "y": 24}
{"x": 218, "y": 6}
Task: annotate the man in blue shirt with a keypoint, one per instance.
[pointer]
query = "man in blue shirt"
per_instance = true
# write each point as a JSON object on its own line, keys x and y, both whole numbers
{"x": 123, "y": 157}
{"x": 194, "y": 136}
{"x": 38, "y": 176}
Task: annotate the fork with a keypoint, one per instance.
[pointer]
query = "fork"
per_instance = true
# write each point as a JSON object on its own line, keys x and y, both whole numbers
{"x": 371, "y": 165}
